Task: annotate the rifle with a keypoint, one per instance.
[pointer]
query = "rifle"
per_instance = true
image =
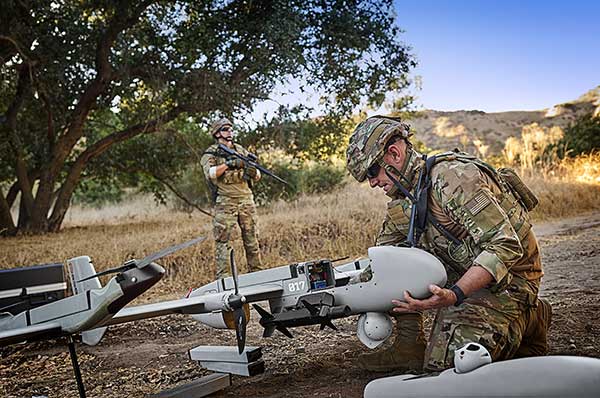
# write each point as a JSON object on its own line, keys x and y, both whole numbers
{"x": 251, "y": 161}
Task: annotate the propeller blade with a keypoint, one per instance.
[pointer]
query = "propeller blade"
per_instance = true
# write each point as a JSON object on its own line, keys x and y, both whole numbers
{"x": 268, "y": 332}
{"x": 146, "y": 260}
{"x": 122, "y": 268}
{"x": 329, "y": 324}
{"x": 234, "y": 274}
{"x": 166, "y": 251}
{"x": 240, "y": 329}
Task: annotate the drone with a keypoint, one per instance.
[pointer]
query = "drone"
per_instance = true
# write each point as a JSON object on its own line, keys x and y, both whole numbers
{"x": 316, "y": 293}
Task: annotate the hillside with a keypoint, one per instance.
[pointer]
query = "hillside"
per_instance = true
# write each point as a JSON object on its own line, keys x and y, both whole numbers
{"x": 468, "y": 129}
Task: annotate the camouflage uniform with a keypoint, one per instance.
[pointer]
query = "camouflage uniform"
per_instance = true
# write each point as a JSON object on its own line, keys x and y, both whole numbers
{"x": 494, "y": 232}
{"x": 234, "y": 205}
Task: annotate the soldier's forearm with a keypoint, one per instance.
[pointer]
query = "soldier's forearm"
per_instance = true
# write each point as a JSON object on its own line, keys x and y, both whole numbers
{"x": 474, "y": 279}
{"x": 217, "y": 171}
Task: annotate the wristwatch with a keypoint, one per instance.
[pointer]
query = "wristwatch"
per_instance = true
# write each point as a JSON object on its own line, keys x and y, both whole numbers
{"x": 460, "y": 295}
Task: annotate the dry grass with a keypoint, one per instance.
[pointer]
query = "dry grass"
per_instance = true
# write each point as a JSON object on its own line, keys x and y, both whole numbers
{"x": 328, "y": 226}
{"x": 564, "y": 187}
{"x": 337, "y": 224}
{"x": 567, "y": 187}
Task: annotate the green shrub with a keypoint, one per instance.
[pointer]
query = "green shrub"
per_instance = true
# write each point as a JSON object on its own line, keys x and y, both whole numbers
{"x": 583, "y": 136}
{"x": 97, "y": 192}
{"x": 321, "y": 178}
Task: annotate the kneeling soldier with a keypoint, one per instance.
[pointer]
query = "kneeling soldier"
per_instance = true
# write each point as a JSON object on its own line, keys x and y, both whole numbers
{"x": 477, "y": 223}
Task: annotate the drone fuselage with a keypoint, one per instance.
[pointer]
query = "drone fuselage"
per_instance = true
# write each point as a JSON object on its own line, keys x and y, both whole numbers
{"x": 315, "y": 292}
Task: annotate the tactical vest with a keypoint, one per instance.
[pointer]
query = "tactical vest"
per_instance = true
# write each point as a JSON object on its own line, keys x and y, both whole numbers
{"x": 233, "y": 184}
{"x": 516, "y": 194}
{"x": 459, "y": 250}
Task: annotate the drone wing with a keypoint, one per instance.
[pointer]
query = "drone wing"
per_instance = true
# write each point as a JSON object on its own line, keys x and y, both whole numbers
{"x": 44, "y": 330}
{"x": 192, "y": 305}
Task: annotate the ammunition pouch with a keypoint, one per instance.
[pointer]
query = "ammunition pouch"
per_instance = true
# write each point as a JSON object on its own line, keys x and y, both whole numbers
{"x": 518, "y": 187}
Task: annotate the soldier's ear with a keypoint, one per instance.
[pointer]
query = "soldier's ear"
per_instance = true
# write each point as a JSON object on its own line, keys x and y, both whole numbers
{"x": 396, "y": 152}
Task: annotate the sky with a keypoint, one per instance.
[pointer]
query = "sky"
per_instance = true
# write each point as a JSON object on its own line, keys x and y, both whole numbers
{"x": 502, "y": 55}
{"x": 491, "y": 56}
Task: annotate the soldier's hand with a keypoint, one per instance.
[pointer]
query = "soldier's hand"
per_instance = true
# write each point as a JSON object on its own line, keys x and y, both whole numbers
{"x": 441, "y": 298}
{"x": 234, "y": 163}
{"x": 251, "y": 172}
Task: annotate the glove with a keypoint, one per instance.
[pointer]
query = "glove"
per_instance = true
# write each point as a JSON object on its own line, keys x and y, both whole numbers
{"x": 251, "y": 172}
{"x": 234, "y": 163}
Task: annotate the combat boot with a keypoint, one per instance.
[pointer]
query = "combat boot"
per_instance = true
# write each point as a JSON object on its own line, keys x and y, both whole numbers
{"x": 545, "y": 312}
{"x": 535, "y": 336}
{"x": 406, "y": 352}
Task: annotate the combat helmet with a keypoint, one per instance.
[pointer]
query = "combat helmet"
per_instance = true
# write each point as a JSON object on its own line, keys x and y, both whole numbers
{"x": 368, "y": 143}
{"x": 219, "y": 124}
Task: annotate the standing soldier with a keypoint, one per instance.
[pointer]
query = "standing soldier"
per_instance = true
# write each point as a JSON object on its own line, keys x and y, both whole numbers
{"x": 475, "y": 220}
{"x": 230, "y": 181}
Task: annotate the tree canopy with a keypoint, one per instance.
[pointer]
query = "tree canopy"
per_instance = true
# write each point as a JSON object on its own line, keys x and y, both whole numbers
{"x": 82, "y": 80}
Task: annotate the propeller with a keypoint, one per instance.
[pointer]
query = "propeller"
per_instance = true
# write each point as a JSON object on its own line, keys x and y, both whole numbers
{"x": 146, "y": 260}
{"x": 236, "y": 302}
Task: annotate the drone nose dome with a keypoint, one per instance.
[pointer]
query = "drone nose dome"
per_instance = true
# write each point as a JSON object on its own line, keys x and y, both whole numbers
{"x": 374, "y": 328}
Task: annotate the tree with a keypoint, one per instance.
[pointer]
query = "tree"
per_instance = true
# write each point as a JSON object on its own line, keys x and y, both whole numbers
{"x": 80, "y": 78}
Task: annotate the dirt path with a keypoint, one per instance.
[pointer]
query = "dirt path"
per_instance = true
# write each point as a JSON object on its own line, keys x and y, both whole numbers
{"x": 149, "y": 356}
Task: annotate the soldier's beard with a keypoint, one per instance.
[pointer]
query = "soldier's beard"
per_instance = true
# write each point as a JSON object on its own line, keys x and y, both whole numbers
{"x": 228, "y": 139}
{"x": 404, "y": 177}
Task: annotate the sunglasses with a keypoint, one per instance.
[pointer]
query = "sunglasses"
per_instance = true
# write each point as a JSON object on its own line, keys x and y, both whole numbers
{"x": 224, "y": 129}
{"x": 373, "y": 171}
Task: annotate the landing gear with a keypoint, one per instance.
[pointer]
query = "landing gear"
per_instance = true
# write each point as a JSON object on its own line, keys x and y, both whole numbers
{"x": 76, "y": 370}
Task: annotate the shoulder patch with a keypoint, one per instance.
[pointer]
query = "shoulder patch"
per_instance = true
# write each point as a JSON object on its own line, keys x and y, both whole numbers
{"x": 478, "y": 203}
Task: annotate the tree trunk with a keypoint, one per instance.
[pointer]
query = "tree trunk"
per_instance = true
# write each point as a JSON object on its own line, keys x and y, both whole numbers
{"x": 7, "y": 225}
{"x": 23, "y": 88}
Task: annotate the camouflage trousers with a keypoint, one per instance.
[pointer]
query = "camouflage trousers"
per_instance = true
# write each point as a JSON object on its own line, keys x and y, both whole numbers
{"x": 508, "y": 325}
{"x": 227, "y": 215}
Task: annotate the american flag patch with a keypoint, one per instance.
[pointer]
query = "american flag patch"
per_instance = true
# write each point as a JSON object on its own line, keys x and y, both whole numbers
{"x": 478, "y": 203}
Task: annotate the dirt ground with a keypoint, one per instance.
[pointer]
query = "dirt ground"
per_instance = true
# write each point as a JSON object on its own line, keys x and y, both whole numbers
{"x": 147, "y": 357}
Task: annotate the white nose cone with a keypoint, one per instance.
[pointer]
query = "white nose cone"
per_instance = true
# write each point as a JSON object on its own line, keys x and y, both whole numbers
{"x": 374, "y": 328}
{"x": 470, "y": 357}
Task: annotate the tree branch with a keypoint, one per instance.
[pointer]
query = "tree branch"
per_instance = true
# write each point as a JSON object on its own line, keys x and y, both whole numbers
{"x": 177, "y": 193}
{"x": 99, "y": 147}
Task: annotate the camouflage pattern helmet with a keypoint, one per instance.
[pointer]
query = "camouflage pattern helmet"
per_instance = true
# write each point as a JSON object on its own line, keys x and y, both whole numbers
{"x": 367, "y": 143}
{"x": 219, "y": 124}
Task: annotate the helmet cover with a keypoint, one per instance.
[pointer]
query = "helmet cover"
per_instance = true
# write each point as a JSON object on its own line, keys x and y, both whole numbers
{"x": 219, "y": 124}
{"x": 368, "y": 142}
